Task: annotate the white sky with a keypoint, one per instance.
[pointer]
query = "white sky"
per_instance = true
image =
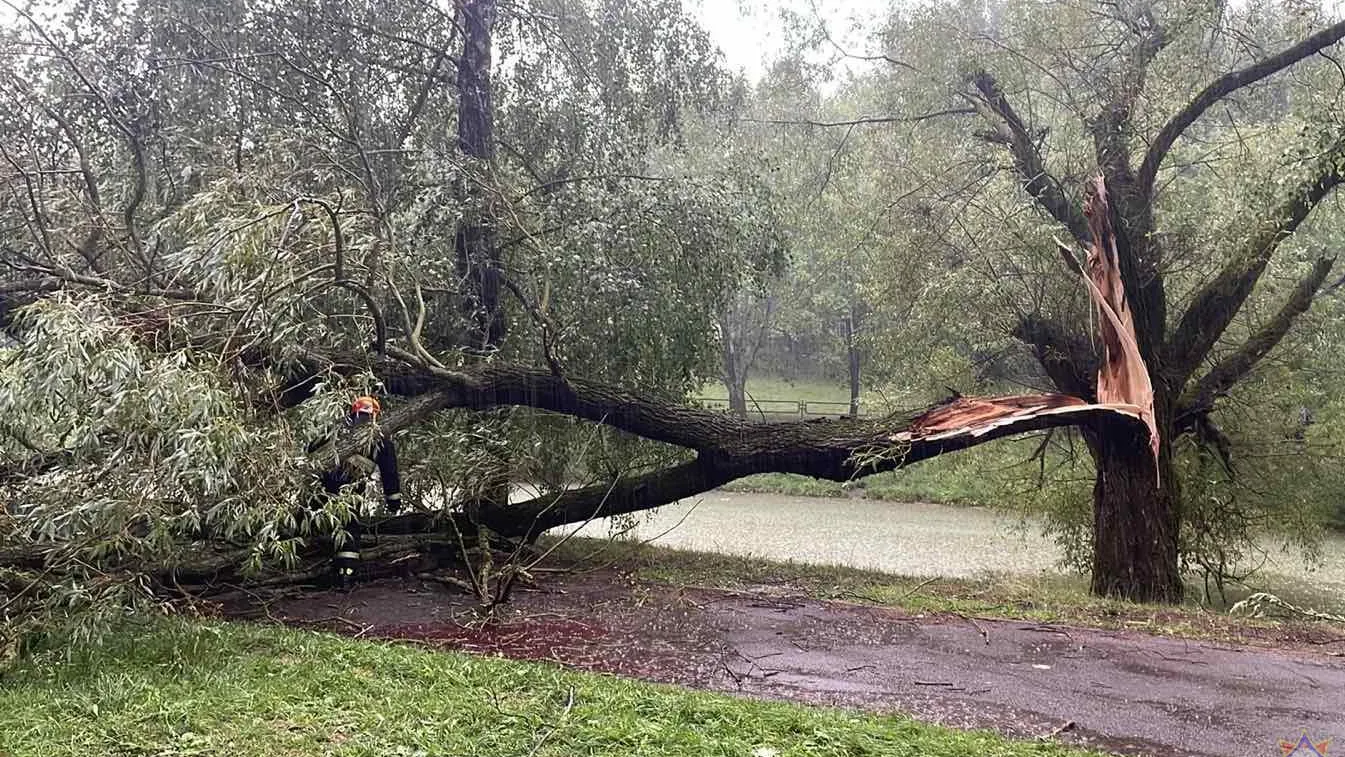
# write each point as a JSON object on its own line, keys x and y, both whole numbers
{"x": 750, "y": 32}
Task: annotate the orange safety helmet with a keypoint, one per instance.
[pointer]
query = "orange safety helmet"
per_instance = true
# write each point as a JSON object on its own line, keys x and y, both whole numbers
{"x": 366, "y": 405}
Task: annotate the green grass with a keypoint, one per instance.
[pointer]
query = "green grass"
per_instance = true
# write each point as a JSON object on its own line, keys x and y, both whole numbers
{"x": 1056, "y": 598}
{"x": 180, "y": 688}
{"x": 773, "y": 388}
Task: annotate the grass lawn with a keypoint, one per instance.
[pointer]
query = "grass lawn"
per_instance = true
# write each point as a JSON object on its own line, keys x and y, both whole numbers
{"x": 773, "y": 388}
{"x": 180, "y": 688}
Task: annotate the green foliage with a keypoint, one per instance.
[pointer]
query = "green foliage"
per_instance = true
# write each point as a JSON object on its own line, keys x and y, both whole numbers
{"x": 261, "y": 185}
{"x": 157, "y": 450}
{"x": 213, "y": 689}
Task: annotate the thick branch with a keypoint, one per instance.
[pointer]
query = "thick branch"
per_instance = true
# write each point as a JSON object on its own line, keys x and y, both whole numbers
{"x": 727, "y": 447}
{"x": 1214, "y": 307}
{"x": 1221, "y": 88}
{"x": 628, "y": 495}
{"x": 863, "y": 121}
{"x": 1200, "y": 398}
{"x": 1027, "y": 160}
{"x": 1068, "y": 359}
{"x": 52, "y": 278}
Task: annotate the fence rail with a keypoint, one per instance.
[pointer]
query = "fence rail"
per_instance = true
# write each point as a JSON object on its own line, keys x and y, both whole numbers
{"x": 777, "y": 410}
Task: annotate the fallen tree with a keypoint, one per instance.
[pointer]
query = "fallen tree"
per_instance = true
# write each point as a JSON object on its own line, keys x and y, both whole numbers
{"x": 727, "y": 447}
{"x": 186, "y": 470}
{"x": 718, "y": 448}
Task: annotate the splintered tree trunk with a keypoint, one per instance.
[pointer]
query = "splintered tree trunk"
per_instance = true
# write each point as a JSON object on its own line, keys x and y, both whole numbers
{"x": 1134, "y": 499}
{"x": 1134, "y": 521}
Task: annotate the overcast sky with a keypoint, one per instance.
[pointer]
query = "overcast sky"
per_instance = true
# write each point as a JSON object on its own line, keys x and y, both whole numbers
{"x": 750, "y": 32}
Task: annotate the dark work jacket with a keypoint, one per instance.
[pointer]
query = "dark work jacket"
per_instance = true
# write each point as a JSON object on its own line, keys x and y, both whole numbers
{"x": 384, "y": 455}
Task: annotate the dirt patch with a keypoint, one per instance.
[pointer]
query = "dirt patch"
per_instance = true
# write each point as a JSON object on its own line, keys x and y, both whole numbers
{"x": 1120, "y": 691}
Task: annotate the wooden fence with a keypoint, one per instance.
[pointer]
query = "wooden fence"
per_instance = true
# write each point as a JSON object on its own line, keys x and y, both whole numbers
{"x": 783, "y": 410}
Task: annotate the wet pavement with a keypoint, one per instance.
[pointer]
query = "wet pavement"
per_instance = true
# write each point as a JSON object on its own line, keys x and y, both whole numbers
{"x": 1127, "y": 693}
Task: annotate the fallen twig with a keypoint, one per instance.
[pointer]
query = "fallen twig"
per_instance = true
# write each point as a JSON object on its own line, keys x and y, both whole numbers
{"x": 984, "y": 633}
{"x": 918, "y": 587}
{"x": 1068, "y": 725}
{"x": 569, "y": 705}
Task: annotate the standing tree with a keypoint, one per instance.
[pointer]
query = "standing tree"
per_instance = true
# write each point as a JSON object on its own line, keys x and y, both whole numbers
{"x": 743, "y": 327}
{"x": 1190, "y": 254}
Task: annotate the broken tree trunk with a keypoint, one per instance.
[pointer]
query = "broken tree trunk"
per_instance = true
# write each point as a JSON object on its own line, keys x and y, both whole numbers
{"x": 1135, "y": 520}
{"x": 1135, "y": 523}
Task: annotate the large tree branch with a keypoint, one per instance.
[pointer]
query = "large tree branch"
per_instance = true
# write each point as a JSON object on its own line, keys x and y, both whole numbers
{"x": 1200, "y": 397}
{"x": 834, "y": 449}
{"x": 727, "y": 448}
{"x": 1068, "y": 358}
{"x": 1221, "y": 88}
{"x": 627, "y": 495}
{"x": 1031, "y": 168}
{"x": 1215, "y": 306}
{"x": 1112, "y": 125}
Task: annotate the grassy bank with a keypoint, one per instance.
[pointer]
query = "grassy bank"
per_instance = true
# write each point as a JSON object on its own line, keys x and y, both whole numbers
{"x": 987, "y": 475}
{"x": 980, "y": 476}
{"x": 220, "y": 689}
{"x": 1045, "y": 598}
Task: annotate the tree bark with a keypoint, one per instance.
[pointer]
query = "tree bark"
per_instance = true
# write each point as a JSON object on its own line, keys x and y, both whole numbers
{"x": 1135, "y": 520}
{"x": 478, "y": 255}
{"x": 737, "y": 386}
{"x": 852, "y": 355}
{"x": 735, "y": 372}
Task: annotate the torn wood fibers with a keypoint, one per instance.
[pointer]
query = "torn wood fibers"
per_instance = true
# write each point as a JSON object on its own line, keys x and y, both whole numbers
{"x": 1123, "y": 385}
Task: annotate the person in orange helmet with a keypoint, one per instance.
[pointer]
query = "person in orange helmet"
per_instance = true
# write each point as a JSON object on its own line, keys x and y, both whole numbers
{"x": 383, "y": 456}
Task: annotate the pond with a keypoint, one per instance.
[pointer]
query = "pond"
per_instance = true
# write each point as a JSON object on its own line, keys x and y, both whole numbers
{"x": 916, "y": 539}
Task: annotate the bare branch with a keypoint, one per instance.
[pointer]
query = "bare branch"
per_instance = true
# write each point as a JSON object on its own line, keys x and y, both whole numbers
{"x": 54, "y": 277}
{"x": 1013, "y": 132}
{"x": 1221, "y": 88}
{"x": 863, "y": 121}
{"x": 133, "y": 139}
{"x": 539, "y": 317}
